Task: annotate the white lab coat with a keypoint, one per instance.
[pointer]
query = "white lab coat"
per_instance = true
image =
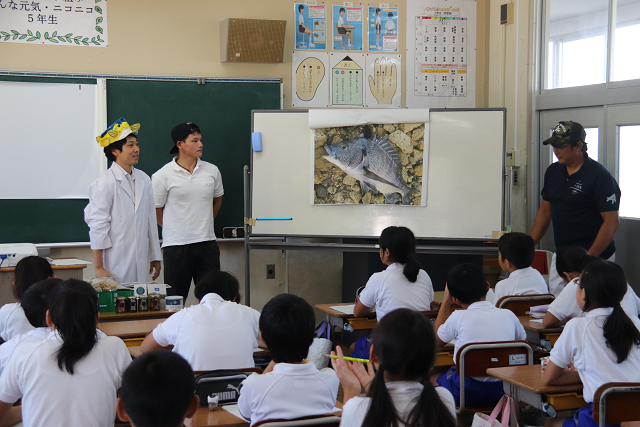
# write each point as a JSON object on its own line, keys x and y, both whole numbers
{"x": 122, "y": 225}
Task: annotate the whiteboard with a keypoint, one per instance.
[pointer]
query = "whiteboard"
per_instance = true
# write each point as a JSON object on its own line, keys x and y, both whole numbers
{"x": 465, "y": 187}
{"x": 48, "y": 140}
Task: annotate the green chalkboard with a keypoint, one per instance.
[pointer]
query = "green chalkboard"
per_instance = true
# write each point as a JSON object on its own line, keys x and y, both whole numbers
{"x": 222, "y": 110}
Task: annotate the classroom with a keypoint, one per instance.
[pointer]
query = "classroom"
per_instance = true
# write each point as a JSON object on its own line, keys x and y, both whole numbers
{"x": 539, "y": 61}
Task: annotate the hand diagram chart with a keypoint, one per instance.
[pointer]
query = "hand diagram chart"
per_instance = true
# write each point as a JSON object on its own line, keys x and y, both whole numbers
{"x": 383, "y": 73}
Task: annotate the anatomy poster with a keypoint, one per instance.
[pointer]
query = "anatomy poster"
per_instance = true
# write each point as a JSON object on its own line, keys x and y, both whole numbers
{"x": 370, "y": 164}
{"x": 347, "y": 79}
{"x": 382, "y": 27}
{"x": 310, "y": 79}
{"x": 441, "y": 43}
{"x": 311, "y": 26}
{"x": 347, "y": 28}
{"x": 383, "y": 86}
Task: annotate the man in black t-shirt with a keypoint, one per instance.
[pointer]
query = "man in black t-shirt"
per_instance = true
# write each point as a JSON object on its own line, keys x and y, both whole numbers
{"x": 580, "y": 197}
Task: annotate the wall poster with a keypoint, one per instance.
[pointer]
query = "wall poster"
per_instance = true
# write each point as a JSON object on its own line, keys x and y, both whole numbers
{"x": 310, "y": 79}
{"x": 347, "y": 28}
{"x": 383, "y": 84}
{"x": 382, "y": 27}
{"x": 311, "y": 26}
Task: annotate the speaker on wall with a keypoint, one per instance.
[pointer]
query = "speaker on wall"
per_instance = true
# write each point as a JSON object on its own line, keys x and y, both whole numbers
{"x": 252, "y": 40}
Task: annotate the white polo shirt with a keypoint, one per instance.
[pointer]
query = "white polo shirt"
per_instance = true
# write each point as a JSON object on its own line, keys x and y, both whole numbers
{"x": 13, "y": 321}
{"x": 481, "y": 322}
{"x": 52, "y": 397}
{"x": 215, "y": 334}
{"x": 404, "y": 395}
{"x": 390, "y": 289}
{"x": 187, "y": 200}
{"x": 583, "y": 342}
{"x": 566, "y": 306}
{"x": 525, "y": 281}
{"x": 289, "y": 391}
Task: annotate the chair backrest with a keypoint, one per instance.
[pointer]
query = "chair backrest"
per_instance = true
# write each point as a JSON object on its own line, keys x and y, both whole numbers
{"x": 520, "y": 304}
{"x": 540, "y": 262}
{"x": 614, "y": 403}
{"x": 247, "y": 370}
{"x": 474, "y": 359}
{"x": 318, "y": 420}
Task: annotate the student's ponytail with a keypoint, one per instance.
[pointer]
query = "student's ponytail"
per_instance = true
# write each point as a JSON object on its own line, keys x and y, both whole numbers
{"x": 605, "y": 285}
{"x": 402, "y": 249}
{"x": 74, "y": 311}
{"x": 404, "y": 342}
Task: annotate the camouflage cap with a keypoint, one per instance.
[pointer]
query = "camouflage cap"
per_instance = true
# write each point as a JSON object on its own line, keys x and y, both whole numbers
{"x": 566, "y": 133}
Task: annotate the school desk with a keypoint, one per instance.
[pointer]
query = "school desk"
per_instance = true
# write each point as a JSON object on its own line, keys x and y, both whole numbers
{"x": 524, "y": 383}
{"x": 132, "y": 332}
{"x": 112, "y": 316}
{"x": 7, "y": 275}
{"x": 536, "y": 332}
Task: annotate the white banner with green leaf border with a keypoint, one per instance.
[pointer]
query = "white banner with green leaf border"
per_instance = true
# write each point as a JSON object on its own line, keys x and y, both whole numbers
{"x": 61, "y": 22}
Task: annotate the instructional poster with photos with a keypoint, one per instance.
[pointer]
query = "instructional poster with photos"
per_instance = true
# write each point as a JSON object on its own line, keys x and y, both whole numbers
{"x": 311, "y": 26}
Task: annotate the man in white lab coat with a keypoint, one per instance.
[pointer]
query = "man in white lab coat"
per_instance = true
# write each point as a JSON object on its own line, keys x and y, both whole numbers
{"x": 121, "y": 212}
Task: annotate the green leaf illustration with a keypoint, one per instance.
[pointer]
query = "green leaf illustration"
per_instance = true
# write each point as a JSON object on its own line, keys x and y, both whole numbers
{"x": 15, "y": 32}
{"x": 98, "y": 9}
{"x": 85, "y": 39}
{"x": 30, "y": 39}
{"x": 53, "y": 40}
{"x": 96, "y": 43}
{"x": 85, "y": 43}
{"x": 38, "y": 35}
{"x": 55, "y": 33}
{"x": 69, "y": 35}
{"x": 98, "y": 1}
{"x": 30, "y": 33}
{"x": 15, "y": 36}
{"x": 46, "y": 35}
{"x": 77, "y": 42}
{"x": 4, "y": 33}
{"x": 22, "y": 37}
{"x": 98, "y": 38}
{"x": 61, "y": 39}
{"x": 68, "y": 40}
{"x": 98, "y": 20}
{"x": 7, "y": 38}
{"x": 99, "y": 29}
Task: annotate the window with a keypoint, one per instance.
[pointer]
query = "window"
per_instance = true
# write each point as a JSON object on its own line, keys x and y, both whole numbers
{"x": 629, "y": 173}
{"x": 626, "y": 63}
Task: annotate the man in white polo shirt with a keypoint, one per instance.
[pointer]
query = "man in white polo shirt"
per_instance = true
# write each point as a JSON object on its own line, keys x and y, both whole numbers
{"x": 188, "y": 195}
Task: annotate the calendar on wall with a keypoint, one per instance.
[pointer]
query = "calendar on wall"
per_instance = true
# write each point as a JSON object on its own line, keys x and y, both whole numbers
{"x": 441, "y": 50}
{"x": 441, "y": 44}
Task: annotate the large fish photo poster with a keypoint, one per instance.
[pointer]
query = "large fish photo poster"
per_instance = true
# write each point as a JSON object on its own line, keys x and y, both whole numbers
{"x": 369, "y": 164}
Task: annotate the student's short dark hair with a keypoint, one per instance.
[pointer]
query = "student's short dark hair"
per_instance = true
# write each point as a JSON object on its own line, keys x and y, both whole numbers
{"x": 218, "y": 282}
{"x": 157, "y": 389}
{"x": 467, "y": 283}
{"x": 569, "y": 259}
{"x": 30, "y": 270}
{"x": 342, "y": 9}
{"x": 377, "y": 10}
{"x": 287, "y": 323}
{"x": 35, "y": 301}
{"x": 390, "y": 15}
{"x": 300, "y": 7}
{"x": 108, "y": 150}
{"x": 518, "y": 248}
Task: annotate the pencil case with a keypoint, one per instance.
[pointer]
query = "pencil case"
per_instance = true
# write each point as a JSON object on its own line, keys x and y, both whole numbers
{"x": 224, "y": 383}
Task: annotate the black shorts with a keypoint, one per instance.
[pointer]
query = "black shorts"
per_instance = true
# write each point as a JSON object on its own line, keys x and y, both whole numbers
{"x": 378, "y": 27}
{"x": 301, "y": 28}
{"x": 342, "y": 30}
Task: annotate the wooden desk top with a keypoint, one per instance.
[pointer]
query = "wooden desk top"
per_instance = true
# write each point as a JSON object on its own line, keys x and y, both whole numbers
{"x": 535, "y": 326}
{"x": 53, "y": 267}
{"x": 529, "y": 377}
{"x": 111, "y": 316}
{"x": 129, "y": 328}
{"x": 325, "y": 308}
{"x": 206, "y": 418}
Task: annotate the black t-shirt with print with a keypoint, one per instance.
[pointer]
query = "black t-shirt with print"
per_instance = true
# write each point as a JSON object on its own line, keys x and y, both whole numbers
{"x": 577, "y": 201}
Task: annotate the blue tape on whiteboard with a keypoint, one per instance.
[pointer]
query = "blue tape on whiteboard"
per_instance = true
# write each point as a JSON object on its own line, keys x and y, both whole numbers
{"x": 256, "y": 141}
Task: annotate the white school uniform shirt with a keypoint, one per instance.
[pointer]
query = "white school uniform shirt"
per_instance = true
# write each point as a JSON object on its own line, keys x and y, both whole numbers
{"x": 36, "y": 335}
{"x": 215, "y": 334}
{"x": 300, "y": 19}
{"x": 187, "y": 199}
{"x": 378, "y": 20}
{"x": 583, "y": 342}
{"x": 404, "y": 395}
{"x": 390, "y": 289}
{"x": 52, "y": 397}
{"x": 122, "y": 221}
{"x": 390, "y": 25}
{"x": 566, "y": 306}
{"x": 289, "y": 391}
{"x": 481, "y": 322}
{"x": 525, "y": 281}
{"x": 340, "y": 21}
{"x": 13, "y": 321}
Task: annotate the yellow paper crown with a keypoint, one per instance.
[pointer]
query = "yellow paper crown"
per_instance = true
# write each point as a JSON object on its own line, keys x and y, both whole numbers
{"x": 117, "y": 131}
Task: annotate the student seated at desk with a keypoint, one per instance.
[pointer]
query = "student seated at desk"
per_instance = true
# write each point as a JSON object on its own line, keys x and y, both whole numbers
{"x": 604, "y": 345}
{"x": 515, "y": 255}
{"x": 29, "y": 270}
{"x": 399, "y": 392}
{"x": 35, "y": 303}
{"x": 217, "y": 333}
{"x": 570, "y": 261}
{"x": 72, "y": 377}
{"x": 479, "y": 321}
{"x": 289, "y": 387}
{"x": 402, "y": 285}
{"x": 158, "y": 389}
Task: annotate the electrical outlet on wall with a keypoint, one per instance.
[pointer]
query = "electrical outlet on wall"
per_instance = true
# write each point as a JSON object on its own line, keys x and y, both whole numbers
{"x": 271, "y": 271}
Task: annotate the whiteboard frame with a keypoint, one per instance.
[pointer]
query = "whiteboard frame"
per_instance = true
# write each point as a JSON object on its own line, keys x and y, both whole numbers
{"x": 249, "y": 199}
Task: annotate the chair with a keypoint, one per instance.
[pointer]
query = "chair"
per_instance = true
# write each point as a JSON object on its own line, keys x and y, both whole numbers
{"x": 328, "y": 420}
{"x": 474, "y": 359}
{"x": 540, "y": 262}
{"x": 342, "y": 36}
{"x": 614, "y": 403}
{"x": 520, "y": 304}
